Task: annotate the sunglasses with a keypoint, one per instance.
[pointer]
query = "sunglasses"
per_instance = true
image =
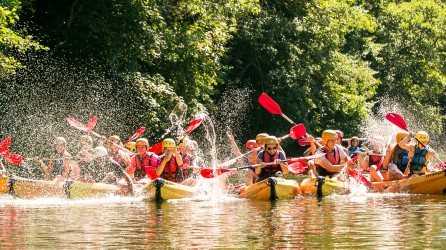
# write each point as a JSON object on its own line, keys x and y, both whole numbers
{"x": 271, "y": 148}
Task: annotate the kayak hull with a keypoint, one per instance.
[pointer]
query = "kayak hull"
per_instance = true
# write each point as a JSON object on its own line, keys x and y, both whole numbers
{"x": 432, "y": 183}
{"x": 327, "y": 187}
{"x": 30, "y": 189}
{"x": 271, "y": 189}
{"x": 160, "y": 189}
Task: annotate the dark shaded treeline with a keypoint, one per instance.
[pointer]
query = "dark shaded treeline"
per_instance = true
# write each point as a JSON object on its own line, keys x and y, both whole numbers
{"x": 326, "y": 62}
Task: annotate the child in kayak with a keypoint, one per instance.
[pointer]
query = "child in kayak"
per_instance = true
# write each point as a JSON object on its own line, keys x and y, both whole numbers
{"x": 271, "y": 153}
{"x": 143, "y": 162}
{"x": 171, "y": 164}
{"x": 59, "y": 165}
{"x": 334, "y": 161}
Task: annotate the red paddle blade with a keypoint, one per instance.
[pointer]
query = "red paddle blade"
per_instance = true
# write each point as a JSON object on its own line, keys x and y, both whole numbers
{"x": 397, "y": 120}
{"x": 151, "y": 173}
{"x": 352, "y": 161}
{"x": 193, "y": 125}
{"x": 269, "y": 104}
{"x": 298, "y": 131}
{"x": 76, "y": 124}
{"x": 298, "y": 167}
{"x": 358, "y": 176}
{"x": 14, "y": 158}
{"x": 91, "y": 124}
{"x": 209, "y": 172}
{"x": 4, "y": 145}
{"x": 440, "y": 166}
{"x": 137, "y": 134}
{"x": 157, "y": 148}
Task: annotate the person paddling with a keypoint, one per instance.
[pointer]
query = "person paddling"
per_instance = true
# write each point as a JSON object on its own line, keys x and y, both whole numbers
{"x": 271, "y": 153}
{"x": 419, "y": 154}
{"x": 171, "y": 165}
{"x": 118, "y": 155}
{"x": 374, "y": 160}
{"x": 59, "y": 166}
{"x": 247, "y": 159}
{"x": 334, "y": 161}
{"x": 396, "y": 159}
{"x": 142, "y": 161}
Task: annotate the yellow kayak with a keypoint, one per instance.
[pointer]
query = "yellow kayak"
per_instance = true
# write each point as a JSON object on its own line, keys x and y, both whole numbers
{"x": 160, "y": 189}
{"x": 323, "y": 186}
{"x": 432, "y": 183}
{"x": 29, "y": 189}
{"x": 271, "y": 189}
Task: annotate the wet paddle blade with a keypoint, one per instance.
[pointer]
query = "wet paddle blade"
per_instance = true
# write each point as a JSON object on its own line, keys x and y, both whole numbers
{"x": 137, "y": 134}
{"x": 269, "y": 104}
{"x": 151, "y": 173}
{"x": 76, "y": 124}
{"x": 14, "y": 158}
{"x": 358, "y": 176}
{"x": 91, "y": 124}
{"x": 397, "y": 120}
{"x": 298, "y": 131}
{"x": 4, "y": 145}
{"x": 209, "y": 172}
{"x": 298, "y": 167}
{"x": 193, "y": 125}
{"x": 157, "y": 148}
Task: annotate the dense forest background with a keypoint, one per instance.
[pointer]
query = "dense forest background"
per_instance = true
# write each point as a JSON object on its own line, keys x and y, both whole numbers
{"x": 327, "y": 63}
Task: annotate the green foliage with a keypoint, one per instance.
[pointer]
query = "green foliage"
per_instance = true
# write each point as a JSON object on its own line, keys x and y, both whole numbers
{"x": 13, "y": 40}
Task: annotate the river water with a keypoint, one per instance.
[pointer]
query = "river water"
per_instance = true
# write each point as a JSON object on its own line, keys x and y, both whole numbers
{"x": 373, "y": 221}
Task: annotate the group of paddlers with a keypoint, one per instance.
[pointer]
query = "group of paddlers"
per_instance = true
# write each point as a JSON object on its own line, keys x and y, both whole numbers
{"x": 384, "y": 161}
{"x": 114, "y": 164}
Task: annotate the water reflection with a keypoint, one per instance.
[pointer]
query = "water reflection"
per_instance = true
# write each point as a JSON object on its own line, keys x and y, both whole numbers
{"x": 370, "y": 221}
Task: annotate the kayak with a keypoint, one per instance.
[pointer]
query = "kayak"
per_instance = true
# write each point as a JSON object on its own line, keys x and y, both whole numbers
{"x": 29, "y": 189}
{"x": 323, "y": 186}
{"x": 432, "y": 183}
{"x": 160, "y": 189}
{"x": 272, "y": 188}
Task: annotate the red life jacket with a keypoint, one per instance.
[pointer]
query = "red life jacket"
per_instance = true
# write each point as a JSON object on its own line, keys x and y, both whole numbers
{"x": 172, "y": 171}
{"x": 376, "y": 160}
{"x": 270, "y": 170}
{"x": 141, "y": 164}
{"x": 334, "y": 160}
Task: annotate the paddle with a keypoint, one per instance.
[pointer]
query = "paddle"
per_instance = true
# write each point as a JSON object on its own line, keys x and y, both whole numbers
{"x": 76, "y": 124}
{"x": 401, "y": 123}
{"x": 194, "y": 124}
{"x": 10, "y": 158}
{"x": 209, "y": 172}
{"x": 274, "y": 108}
{"x": 306, "y": 142}
{"x": 137, "y": 134}
{"x": 295, "y": 133}
{"x": 356, "y": 173}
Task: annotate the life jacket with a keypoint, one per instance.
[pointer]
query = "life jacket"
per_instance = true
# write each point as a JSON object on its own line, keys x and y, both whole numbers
{"x": 58, "y": 167}
{"x": 402, "y": 159}
{"x": 172, "y": 172}
{"x": 141, "y": 164}
{"x": 376, "y": 160}
{"x": 334, "y": 160}
{"x": 419, "y": 160}
{"x": 269, "y": 170}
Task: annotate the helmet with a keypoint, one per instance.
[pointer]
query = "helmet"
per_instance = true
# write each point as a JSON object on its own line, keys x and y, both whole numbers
{"x": 423, "y": 136}
{"x": 168, "y": 143}
{"x": 271, "y": 140}
{"x": 60, "y": 141}
{"x": 261, "y": 136}
{"x": 113, "y": 138}
{"x": 131, "y": 146}
{"x": 339, "y": 133}
{"x": 354, "y": 138}
{"x": 142, "y": 142}
{"x": 400, "y": 136}
{"x": 329, "y": 135}
{"x": 100, "y": 151}
{"x": 251, "y": 144}
{"x": 87, "y": 139}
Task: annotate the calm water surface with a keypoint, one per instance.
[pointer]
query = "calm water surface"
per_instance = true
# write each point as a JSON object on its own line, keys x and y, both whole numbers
{"x": 372, "y": 221}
